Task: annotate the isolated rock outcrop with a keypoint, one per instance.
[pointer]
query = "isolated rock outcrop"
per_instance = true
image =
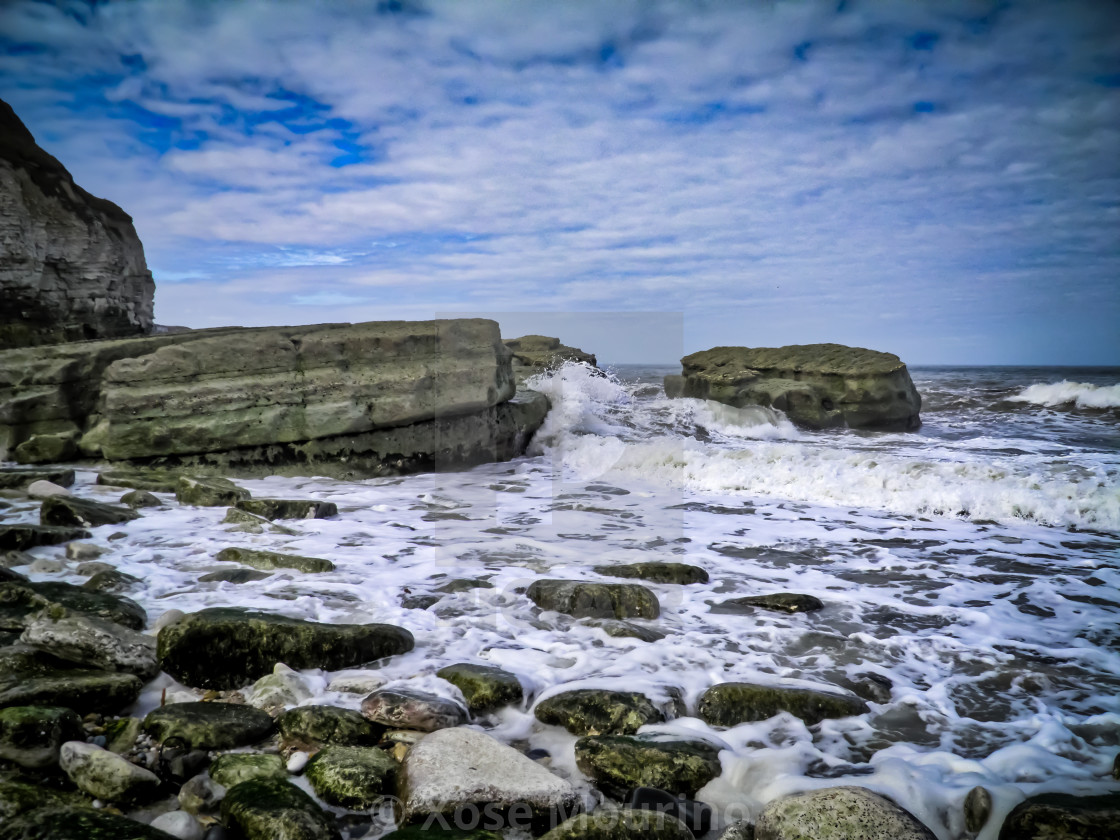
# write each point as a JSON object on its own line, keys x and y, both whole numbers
{"x": 542, "y": 351}
{"x": 71, "y": 264}
{"x": 816, "y": 385}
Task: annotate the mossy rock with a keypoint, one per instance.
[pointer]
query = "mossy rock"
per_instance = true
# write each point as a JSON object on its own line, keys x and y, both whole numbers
{"x": 153, "y": 480}
{"x": 205, "y": 491}
{"x": 22, "y": 537}
{"x": 250, "y": 523}
{"x": 20, "y": 600}
{"x": 47, "y": 449}
{"x": 63, "y": 823}
{"x": 75, "y": 512}
{"x": 270, "y": 809}
{"x": 352, "y": 777}
{"x": 209, "y": 726}
{"x": 229, "y": 647}
{"x": 236, "y": 576}
{"x": 484, "y": 687}
{"x": 30, "y": 677}
{"x": 288, "y": 508}
{"x": 271, "y": 560}
{"x": 121, "y": 734}
{"x": 594, "y": 600}
{"x": 434, "y": 832}
{"x": 1062, "y": 815}
{"x": 234, "y": 768}
{"x": 18, "y": 797}
{"x": 110, "y": 580}
{"x": 838, "y": 813}
{"x": 655, "y": 571}
{"x": 328, "y": 725}
{"x": 785, "y": 602}
{"x": 620, "y": 763}
{"x": 729, "y": 704}
{"x": 626, "y": 630}
{"x": 623, "y": 824}
{"x": 140, "y": 499}
{"x": 31, "y": 735}
{"x": 594, "y": 711}
{"x": 21, "y": 477}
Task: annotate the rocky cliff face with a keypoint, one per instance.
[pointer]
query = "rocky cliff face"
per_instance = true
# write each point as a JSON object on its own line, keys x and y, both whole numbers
{"x": 71, "y": 265}
{"x": 816, "y": 385}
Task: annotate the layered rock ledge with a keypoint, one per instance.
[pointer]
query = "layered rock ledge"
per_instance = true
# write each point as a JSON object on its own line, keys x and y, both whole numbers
{"x": 816, "y": 385}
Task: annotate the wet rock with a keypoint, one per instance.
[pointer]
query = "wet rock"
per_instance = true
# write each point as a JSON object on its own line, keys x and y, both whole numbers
{"x": 201, "y": 795}
{"x": 623, "y": 824}
{"x": 22, "y": 477}
{"x": 227, "y": 647}
{"x": 75, "y": 512}
{"x": 77, "y": 823}
{"x": 1061, "y": 816}
{"x": 234, "y": 768}
{"x": 405, "y": 708}
{"x": 463, "y": 585}
{"x": 20, "y": 601}
{"x": 621, "y": 763}
{"x": 121, "y": 734}
{"x": 271, "y": 809}
{"x": 419, "y": 602}
{"x": 208, "y": 492}
{"x": 787, "y": 602}
{"x": 738, "y": 830}
{"x": 110, "y": 580}
{"x": 209, "y": 726}
{"x": 47, "y": 449}
{"x": 977, "y": 809}
{"x": 30, "y": 677}
{"x": 283, "y": 687}
{"x": 328, "y": 725}
{"x": 729, "y": 704}
{"x": 46, "y": 566}
{"x": 24, "y": 536}
{"x": 838, "y": 812}
{"x": 250, "y": 523}
{"x": 626, "y": 630}
{"x": 179, "y": 824}
{"x": 875, "y": 688}
{"x": 464, "y": 769}
{"x": 484, "y": 687}
{"x": 84, "y": 551}
{"x": 153, "y": 480}
{"x": 356, "y": 683}
{"x": 20, "y": 797}
{"x": 32, "y": 735}
{"x": 106, "y": 775}
{"x": 594, "y": 711}
{"x": 270, "y": 560}
{"x": 657, "y": 572}
{"x": 352, "y": 777}
{"x": 696, "y": 815}
{"x": 45, "y": 489}
{"x": 419, "y": 832}
{"x": 136, "y": 499}
{"x": 236, "y": 576}
{"x": 288, "y": 508}
{"x": 93, "y": 642}
{"x": 594, "y": 600}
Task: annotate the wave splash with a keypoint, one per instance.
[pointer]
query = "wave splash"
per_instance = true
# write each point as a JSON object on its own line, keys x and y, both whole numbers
{"x": 1065, "y": 393}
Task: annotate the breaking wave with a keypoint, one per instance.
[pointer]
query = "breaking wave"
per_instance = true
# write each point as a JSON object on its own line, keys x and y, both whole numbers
{"x": 1078, "y": 394}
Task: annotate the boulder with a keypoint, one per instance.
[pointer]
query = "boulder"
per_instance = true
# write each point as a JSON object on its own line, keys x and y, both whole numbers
{"x": 140, "y": 499}
{"x": 32, "y": 735}
{"x": 209, "y": 726}
{"x": 622, "y": 824}
{"x": 1061, "y": 816}
{"x": 594, "y": 711}
{"x": 283, "y": 687}
{"x": 484, "y": 687}
{"x": 71, "y": 265}
{"x": 20, "y": 477}
{"x": 74, "y": 512}
{"x": 47, "y": 449}
{"x": 352, "y": 777}
{"x": 729, "y": 704}
{"x": 787, "y": 602}
{"x": 815, "y": 385}
{"x": 594, "y": 600}
{"x": 231, "y": 769}
{"x": 77, "y": 823}
{"x": 45, "y": 489}
{"x": 462, "y": 770}
{"x": 626, "y": 630}
{"x": 405, "y": 708}
{"x": 271, "y": 560}
{"x": 328, "y": 725}
{"x": 838, "y": 812}
{"x": 20, "y": 601}
{"x": 110, "y": 580}
{"x": 93, "y": 642}
{"x": 655, "y": 571}
{"x": 288, "y": 508}
{"x": 206, "y": 491}
{"x": 229, "y": 647}
{"x": 106, "y": 775}
{"x": 22, "y": 537}
{"x": 620, "y": 763}
{"x": 236, "y": 576}
{"x": 30, "y": 677}
{"x": 273, "y": 809}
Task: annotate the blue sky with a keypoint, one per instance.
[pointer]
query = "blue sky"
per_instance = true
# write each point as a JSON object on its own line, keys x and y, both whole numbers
{"x": 936, "y": 179}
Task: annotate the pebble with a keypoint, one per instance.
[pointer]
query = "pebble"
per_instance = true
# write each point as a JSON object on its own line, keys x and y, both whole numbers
{"x": 297, "y": 762}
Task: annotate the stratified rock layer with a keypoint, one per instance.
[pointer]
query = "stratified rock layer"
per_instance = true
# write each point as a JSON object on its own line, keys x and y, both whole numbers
{"x": 71, "y": 264}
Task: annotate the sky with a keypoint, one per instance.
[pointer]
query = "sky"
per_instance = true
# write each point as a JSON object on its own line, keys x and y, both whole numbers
{"x": 939, "y": 180}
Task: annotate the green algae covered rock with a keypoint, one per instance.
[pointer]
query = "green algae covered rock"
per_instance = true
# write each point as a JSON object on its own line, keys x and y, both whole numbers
{"x": 206, "y": 491}
{"x": 269, "y": 560}
{"x": 232, "y": 769}
{"x": 229, "y": 647}
{"x": 209, "y": 726}
{"x": 484, "y": 687}
{"x": 594, "y": 600}
{"x": 1059, "y": 816}
{"x": 69, "y": 823}
{"x": 622, "y": 824}
{"x": 272, "y": 809}
{"x": 620, "y": 763}
{"x": 729, "y": 704}
{"x": 20, "y": 601}
{"x": 787, "y": 602}
{"x": 17, "y": 797}
{"x": 328, "y": 725}
{"x": 32, "y": 735}
{"x": 658, "y": 572}
{"x": 434, "y": 832}
{"x": 288, "y": 508}
{"x": 75, "y": 512}
{"x": 30, "y": 677}
{"x": 140, "y": 499}
{"x": 47, "y": 449}
{"x": 838, "y": 813}
{"x": 352, "y": 777}
{"x": 106, "y": 775}
{"x": 594, "y": 711}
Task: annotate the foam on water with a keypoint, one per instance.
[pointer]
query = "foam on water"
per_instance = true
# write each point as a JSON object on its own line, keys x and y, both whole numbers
{"x": 1079, "y": 394}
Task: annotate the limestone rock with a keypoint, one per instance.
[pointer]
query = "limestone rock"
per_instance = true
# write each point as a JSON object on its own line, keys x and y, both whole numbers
{"x": 288, "y": 508}
{"x": 209, "y": 726}
{"x": 232, "y": 769}
{"x": 816, "y": 385}
{"x": 836, "y": 814}
{"x": 32, "y": 735}
{"x": 14, "y": 479}
{"x": 1062, "y": 816}
{"x": 43, "y": 489}
{"x": 71, "y": 265}
{"x": 272, "y": 809}
{"x": 622, "y": 824}
{"x": 29, "y": 677}
{"x": 484, "y": 687}
{"x": 352, "y": 777}
{"x": 270, "y": 560}
{"x": 206, "y": 491}
{"x": 74, "y": 512}
{"x": 463, "y": 768}
{"x": 229, "y": 647}
{"x": 91, "y": 641}
{"x": 658, "y": 572}
{"x": 787, "y": 602}
{"x": 77, "y": 823}
{"x": 106, "y": 775}
{"x": 328, "y": 725}
{"x": 594, "y": 600}
{"x": 593, "y": 711}
{"x": 620, "y": 763}
{"x": 405, "y": 708}
{"x": 22, "y": 537}
{"x": 729, "y": 704}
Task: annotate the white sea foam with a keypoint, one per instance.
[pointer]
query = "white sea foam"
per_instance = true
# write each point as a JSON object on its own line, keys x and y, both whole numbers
{"x": 1079, "y": 394}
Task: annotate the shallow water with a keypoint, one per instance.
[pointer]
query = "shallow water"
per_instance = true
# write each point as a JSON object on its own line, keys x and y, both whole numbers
{"x": 972, "y": 569}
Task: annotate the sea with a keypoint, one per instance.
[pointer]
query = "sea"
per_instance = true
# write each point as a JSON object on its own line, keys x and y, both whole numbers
{"x": 969, "y": 570}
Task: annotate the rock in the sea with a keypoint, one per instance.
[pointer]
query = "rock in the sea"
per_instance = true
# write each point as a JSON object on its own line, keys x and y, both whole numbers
{"x": 250, "y": 523}
{"x": 23, "y": 477}
{"x": 21, "y": 537}
{"x": 93, "y": 642}
{"x": 838, "y": 812}
{"x": 208, "y": 491}
{"x": 655, "y": 571}
{"x": 815, "y": 385}
{"x": 622, "y": 824}
{"x": 694, "y": 814}
{"x": 106, "y": 775}
{"x": 288, "y": 508}
{"x": 328, "y": 725}
{"x": 283, "y": 687}
{"x": 21, "y": 600}
{"x": 47, "y": 449}
{"x": 787, "y": 602}
{"x": 83, "y": 551}
{"x": 18, "y": 798}
{"x": 620, "y": 763}
{"x": 75, "y": 512}
{"x": 594, "y": 600}
{"x": 729, "y": 704}
{"x": 30, "y": 677}
{"x": 484, "y": 687}
{"x": 209, "y": 726}
{"x": 977, "y": 809}
{"x": 594, "y": 711}
{"x": 140, "y": 499}
{"x": 77, "y": 823}
{"x": 352, "y": 777}
{"x": 110, "y": 580}
{"x": 229, "y": 647}
{"x": 626, "y": 630}
{"x": 271, "y": 560}
{"x": 462, "y": 769}
{"x": 71, "y": 265}
{"x": 32, "y": 735}
{"x": 45, "y": 489}
{"x": 406, "y": 708}
{"x": 273, "y": 809}
{"x": 231, "y": 769}
{"x": 237, "y": 576}
{"x": 1062, "y": 816}
{"x": 534, "y": 353}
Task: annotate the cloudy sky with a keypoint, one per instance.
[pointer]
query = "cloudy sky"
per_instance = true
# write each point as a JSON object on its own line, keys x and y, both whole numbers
{"x": 936, "y": 179}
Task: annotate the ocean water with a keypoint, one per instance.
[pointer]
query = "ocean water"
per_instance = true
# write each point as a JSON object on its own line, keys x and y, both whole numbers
{"x": 971, "y": 569}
